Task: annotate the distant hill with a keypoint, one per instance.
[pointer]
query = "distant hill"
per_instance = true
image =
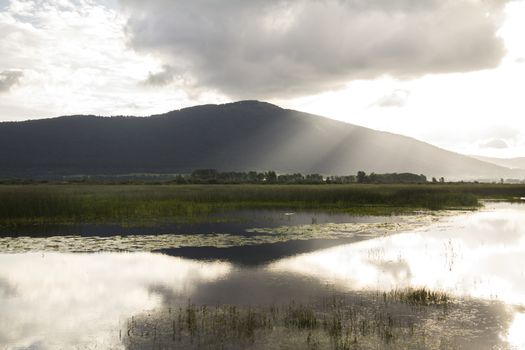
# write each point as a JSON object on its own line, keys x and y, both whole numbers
{"x": 512, "y": 163}
{"x": 246, "y": 135}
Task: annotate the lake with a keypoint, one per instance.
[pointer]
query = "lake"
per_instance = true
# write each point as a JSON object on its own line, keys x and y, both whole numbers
{"x": 86, "y": 292}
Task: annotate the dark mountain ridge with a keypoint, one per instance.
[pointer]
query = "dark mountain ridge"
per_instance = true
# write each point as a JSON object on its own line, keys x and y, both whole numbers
{"x": 246, "y": 135}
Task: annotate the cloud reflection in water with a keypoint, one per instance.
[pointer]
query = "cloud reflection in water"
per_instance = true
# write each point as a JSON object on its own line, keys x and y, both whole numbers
{"x": 66, "y": 300}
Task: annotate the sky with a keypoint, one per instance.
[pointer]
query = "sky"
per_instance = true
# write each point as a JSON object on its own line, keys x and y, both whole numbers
{"x": 448, "y": 72}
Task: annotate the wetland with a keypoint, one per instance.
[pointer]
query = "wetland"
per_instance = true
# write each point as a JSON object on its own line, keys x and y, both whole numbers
{"x": 268, "y": 277}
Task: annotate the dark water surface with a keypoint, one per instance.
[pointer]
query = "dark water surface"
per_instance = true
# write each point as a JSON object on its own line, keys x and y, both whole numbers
{"x": 58, "y": 299}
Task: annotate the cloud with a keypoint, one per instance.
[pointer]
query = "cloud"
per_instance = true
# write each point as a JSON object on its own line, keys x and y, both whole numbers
{"x": 8, "y": 79}
{"x": 396, "y": 98}
{"x": 164, "y": 77}
{"x": 504, "y": 132}
{"x": 75, "y": 60}
{"x": 280, "y": 48}
{"x": 494, "y": 143}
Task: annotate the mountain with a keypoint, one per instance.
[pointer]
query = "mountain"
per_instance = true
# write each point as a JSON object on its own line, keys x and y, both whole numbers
{"x": 246, "y": 135}
{"x": 512, "y": 163}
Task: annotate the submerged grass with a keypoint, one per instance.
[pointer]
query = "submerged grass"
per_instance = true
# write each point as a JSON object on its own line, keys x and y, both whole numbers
{"x": 335, "y": 323}
{"x": 145, "y": 204}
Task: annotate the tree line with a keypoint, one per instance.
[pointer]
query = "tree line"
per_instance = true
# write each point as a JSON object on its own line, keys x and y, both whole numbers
{"x": 213, "y": 176}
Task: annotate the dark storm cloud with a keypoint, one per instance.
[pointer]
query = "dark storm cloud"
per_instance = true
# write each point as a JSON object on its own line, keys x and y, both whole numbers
{"x": 8, "y": 79}
{"x": 283, "y": 48}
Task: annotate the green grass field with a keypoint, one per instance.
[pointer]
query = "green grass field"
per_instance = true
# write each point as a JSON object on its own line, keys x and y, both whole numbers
{"x": 140, "y": 204}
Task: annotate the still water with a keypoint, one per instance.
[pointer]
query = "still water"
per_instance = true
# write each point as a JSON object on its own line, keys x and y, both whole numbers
{"x": 65, "y": 300}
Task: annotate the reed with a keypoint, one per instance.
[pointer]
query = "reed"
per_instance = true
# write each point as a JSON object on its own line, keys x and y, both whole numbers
{"x": 139, "y": 204}
{"x": 336, "y": 323}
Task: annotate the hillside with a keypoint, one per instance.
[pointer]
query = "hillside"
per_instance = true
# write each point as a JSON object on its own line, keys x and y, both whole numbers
{"x": 246, "y": 135}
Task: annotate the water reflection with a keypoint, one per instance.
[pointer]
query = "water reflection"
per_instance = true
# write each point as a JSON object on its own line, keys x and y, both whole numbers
{"x": 67, "y": 300}
{"x": 480, "y": 255}
{"x": 54, "y": 300}
{"x": 516, "y": 335}
{"x": 250, "y": 236}
{"x": 260, "y": 254}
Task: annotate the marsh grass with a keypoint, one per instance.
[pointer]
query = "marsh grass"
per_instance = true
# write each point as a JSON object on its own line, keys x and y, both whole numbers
{"x": 153, "y": 204}
{"x": 418, "y": 296}
{"x": 334, "y": 323}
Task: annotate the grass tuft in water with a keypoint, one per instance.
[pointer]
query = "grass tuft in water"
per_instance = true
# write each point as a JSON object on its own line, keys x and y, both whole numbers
{"x": 419, "y": 296}
{"x": 336, "y": 323}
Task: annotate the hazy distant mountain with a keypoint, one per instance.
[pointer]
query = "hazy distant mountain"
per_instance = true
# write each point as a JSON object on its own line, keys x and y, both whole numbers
{"x": 247, "y": 135}
{"x": 512, "y": 163}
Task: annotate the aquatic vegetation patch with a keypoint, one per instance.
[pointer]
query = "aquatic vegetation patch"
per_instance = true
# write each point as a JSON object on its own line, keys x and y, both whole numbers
{"x": 418, "y": 296}
{"x": 255, "y": 236}
{"x": 341, "y": 321}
